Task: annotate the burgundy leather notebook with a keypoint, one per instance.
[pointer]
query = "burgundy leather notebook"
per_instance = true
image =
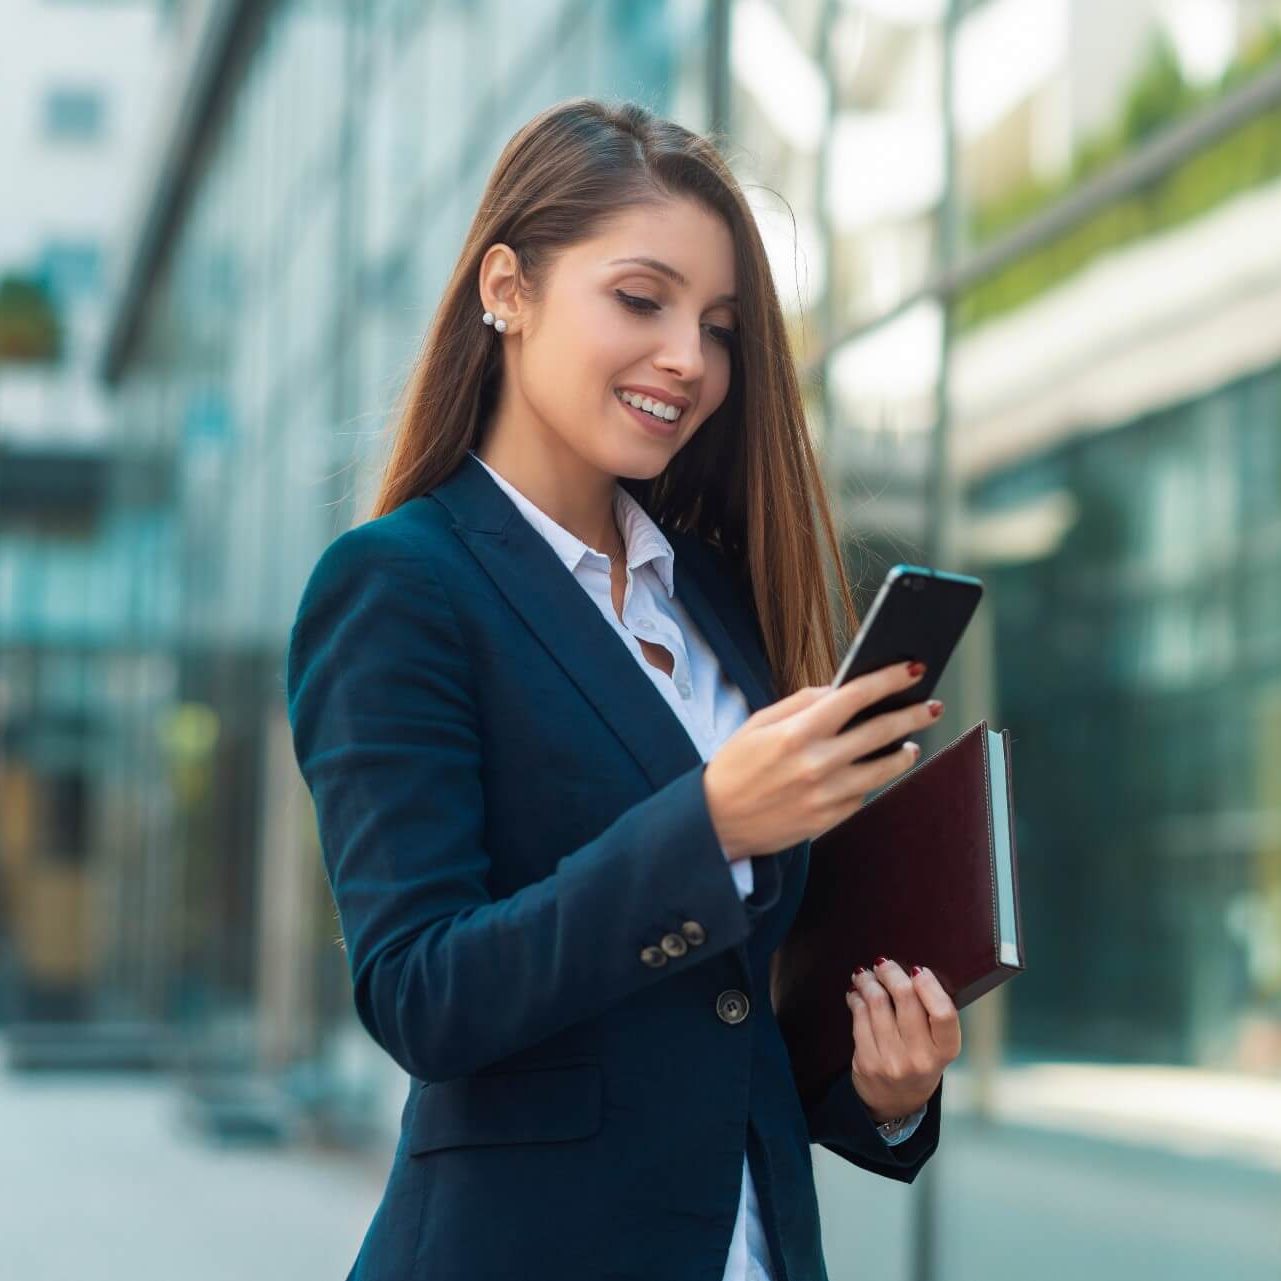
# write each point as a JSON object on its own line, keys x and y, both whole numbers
{"x": 925, "y": 873}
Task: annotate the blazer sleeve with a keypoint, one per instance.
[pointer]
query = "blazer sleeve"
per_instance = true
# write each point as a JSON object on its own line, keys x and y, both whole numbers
{"x": 841, "y": 1122}
{"x": 383, "y": 712}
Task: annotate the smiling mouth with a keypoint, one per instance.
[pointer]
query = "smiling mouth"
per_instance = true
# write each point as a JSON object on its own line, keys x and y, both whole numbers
{"x": 622, "y": 394}
{"x": 650, "y": 423}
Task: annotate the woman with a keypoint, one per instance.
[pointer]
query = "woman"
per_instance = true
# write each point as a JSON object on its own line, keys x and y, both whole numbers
{"x": 565, "y": 817}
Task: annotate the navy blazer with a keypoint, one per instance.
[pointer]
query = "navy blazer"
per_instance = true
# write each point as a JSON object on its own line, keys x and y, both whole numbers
{"x": 510, "y": 816}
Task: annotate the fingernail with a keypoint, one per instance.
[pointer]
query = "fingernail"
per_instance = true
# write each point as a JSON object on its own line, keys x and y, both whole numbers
{"x": 880, "y": 960}
{"x": 916, "y": 669}
{"x": 934, "y": 706}
{"x": 862, "y": 969}
{"x": 850, "y": 988}
{"x": 916, "y": 969}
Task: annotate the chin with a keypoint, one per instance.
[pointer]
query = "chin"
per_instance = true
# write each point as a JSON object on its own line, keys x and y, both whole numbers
{"x": 632, "y": 468}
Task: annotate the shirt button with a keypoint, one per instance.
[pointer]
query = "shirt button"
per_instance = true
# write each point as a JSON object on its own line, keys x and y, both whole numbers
{"x": 731, "y": 1006}
{"x": 694, "y": 932}
{"x": 673, "y": 945}
{"x": 654, "y": 956}
{"x": 683, "y": 689}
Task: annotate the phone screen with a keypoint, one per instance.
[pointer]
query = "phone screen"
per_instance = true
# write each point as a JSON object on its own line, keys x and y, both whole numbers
{"x": 919, "y": 613}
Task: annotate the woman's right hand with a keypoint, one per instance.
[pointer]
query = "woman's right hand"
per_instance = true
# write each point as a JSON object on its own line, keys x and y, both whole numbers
{"x": 785, "y": 775}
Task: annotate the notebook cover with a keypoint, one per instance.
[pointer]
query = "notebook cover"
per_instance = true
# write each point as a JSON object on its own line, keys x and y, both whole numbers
{"x": 911, "y": 875}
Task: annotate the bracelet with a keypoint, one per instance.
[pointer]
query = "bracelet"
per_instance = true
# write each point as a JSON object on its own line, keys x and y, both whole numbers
{"x": 886, "y": 1129}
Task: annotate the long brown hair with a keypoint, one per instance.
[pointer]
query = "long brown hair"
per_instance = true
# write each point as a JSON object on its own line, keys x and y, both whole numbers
{"x": 747, "y": 482}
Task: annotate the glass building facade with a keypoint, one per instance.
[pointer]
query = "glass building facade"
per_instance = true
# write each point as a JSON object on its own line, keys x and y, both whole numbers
{"x": 1138, "y": 670}
{"x": 347, "y": 146}
{"x": 913, "y": 166}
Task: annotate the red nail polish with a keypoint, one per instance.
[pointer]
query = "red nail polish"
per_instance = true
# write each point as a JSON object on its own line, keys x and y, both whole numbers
{"x": 880, "y": 960}
{"x": 916, "y": 669}
{"x": 850, "y": 986}
{"x": 934, "y": 707}
{"x": 860, "y": 969}
{"x": 916, "y": 969}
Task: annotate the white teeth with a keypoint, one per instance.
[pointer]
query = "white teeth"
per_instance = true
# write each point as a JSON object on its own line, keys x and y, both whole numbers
{"x": 651, "y": 406}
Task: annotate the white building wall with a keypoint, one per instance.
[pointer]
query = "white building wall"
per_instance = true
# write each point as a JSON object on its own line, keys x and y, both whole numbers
{"x": 70, "y": 190}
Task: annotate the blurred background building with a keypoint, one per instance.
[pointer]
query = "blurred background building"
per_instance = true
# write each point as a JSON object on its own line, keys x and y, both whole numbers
{"x": 1028, "y": 251}
{"x": 76, "y": 102}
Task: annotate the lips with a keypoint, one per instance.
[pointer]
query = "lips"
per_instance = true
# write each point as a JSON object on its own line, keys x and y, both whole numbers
{"x": 657, "y": 393}
{"x": 653, "y": 426}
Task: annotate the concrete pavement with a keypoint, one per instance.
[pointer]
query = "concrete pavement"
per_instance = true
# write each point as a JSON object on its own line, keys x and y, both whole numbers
{"x": 1085, "y": 1175}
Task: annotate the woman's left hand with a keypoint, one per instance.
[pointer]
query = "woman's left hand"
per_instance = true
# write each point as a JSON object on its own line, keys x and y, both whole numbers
{"x": 906, "y": 1031}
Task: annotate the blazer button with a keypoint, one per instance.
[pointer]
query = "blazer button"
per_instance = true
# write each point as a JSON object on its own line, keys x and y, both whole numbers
{"x": 732, "y": 1006}
{"x": 654, "y": 956}
{"x": 694, "y": 933}
{"x": 673, "y": 945}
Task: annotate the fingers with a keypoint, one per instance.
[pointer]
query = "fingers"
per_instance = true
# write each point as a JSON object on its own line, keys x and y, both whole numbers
{"x": 945, "y": 1019}
{"x": 906, "y": 1032}
{"x": 883, "y": 1012}
{"x": 912, "y": 1013}
{"x": 909, "y": 1014}
{"x": 885, "y": 728}
{"x": 828, "y": 714}
{"x": 884, "y": 768}
{"x": 788, "y": 706}
{"x": 864, "y": 1033}
{"x": 846, "y": 795}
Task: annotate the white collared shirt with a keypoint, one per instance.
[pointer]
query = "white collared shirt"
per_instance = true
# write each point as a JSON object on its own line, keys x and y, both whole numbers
{"x": 705, "y": 701}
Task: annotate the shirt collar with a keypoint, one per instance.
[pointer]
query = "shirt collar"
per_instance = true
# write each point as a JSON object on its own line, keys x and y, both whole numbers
{"x": 644, "y": 541}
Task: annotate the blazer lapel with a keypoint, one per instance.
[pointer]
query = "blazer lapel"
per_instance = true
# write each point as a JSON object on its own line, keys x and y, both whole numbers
{"x": 569, "y": 624}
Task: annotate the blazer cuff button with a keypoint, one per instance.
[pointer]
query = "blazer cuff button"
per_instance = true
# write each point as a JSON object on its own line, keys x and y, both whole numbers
{"x": 694, "y": 933}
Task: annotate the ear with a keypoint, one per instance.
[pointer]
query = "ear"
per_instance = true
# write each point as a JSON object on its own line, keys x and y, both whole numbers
{"x": 498, "y": 279}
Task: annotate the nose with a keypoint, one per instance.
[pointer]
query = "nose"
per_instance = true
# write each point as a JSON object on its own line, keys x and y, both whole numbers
{"x": 682, "y": 352}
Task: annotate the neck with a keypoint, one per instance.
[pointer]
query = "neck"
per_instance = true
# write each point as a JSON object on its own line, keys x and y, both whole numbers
{"x": 559, "y": 482}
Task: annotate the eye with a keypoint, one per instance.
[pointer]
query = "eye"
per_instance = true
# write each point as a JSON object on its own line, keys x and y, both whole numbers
{"x": 644, "y": 305}
{"x": 647, "y": 307}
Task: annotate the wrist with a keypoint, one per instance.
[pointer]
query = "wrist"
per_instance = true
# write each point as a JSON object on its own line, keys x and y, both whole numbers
{"x": 886, "y": 1118}
{"x": 882, "y": 1114}
{"x": 731, "y": 850}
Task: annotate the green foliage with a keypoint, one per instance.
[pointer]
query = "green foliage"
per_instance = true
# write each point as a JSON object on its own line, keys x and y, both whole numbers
{"x": 1159, "y": 96}
{"x": 29, "y": 325}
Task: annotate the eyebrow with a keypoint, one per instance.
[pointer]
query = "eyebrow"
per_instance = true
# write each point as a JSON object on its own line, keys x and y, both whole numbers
{"x": 672, "y": 274}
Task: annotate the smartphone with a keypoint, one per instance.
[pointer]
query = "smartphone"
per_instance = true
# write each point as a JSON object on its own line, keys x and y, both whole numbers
{"x": 919, "y": 614}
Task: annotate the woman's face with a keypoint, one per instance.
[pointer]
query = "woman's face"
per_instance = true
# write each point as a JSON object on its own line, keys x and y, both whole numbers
{"x": 608, "y": 323}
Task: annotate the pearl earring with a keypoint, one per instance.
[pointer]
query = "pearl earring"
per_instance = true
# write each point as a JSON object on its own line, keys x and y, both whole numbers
{"x": 500, "y": 325}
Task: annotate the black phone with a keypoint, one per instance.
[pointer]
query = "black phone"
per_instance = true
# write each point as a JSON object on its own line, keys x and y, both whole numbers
{"x": 918, "y": 614}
